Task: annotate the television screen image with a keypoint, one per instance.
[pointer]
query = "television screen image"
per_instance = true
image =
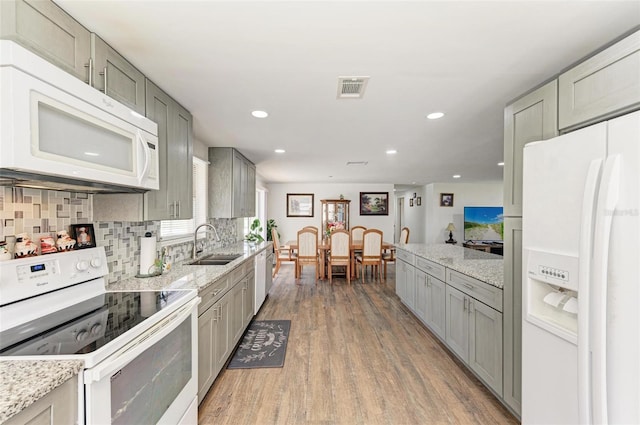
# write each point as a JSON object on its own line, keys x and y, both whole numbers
{"x": 485, "y": 224}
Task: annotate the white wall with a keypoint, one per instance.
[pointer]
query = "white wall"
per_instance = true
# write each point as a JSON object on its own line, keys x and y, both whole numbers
{"x": 289, "y": 226}
{"x": 200, "y": 150}
{"x": 414, "y": 216}
{"x": 465, "y": 194}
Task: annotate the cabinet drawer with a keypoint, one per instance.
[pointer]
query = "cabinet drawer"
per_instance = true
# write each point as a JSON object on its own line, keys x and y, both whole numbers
{"x": 479, "y": 290}
{"x": 603, "y": 86}
{"x": 428, "y": 266}
{"x": 213, "y": 293}
{"x": 405, "y": 256}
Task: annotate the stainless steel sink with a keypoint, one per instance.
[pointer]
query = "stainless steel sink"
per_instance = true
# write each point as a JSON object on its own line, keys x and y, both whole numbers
{"x": 215, "y": 260}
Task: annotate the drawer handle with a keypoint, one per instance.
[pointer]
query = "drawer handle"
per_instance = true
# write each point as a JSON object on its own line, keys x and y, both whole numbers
{"x": 216, "y": 292}
{"x": 468, "y": 285}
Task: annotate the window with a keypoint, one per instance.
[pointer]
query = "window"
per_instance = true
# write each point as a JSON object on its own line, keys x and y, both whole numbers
{"x": 170, "y": 229}
{"x": 261, "y": 213}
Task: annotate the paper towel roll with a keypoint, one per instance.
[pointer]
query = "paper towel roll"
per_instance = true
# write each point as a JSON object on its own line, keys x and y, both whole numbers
{"x": 147, "y": 255}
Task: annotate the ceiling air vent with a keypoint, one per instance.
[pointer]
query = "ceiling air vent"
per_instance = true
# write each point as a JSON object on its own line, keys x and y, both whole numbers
{"x": 351, "y": 87}
{"x": 357, "y": 163}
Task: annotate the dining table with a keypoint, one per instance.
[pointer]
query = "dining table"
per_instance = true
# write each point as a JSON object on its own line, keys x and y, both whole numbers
{"x": 324, "y": 246}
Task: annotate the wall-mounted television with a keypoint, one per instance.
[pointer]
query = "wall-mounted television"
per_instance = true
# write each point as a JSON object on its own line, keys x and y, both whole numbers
{"x": 483, "y": 224}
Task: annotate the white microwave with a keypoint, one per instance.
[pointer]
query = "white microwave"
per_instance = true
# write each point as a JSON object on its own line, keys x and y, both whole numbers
{"x": 59, "y": 133}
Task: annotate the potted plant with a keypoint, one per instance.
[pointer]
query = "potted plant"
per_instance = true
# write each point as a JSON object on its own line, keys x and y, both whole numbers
{"x": 255, "y": 234}
{"x": 271, "y": 224}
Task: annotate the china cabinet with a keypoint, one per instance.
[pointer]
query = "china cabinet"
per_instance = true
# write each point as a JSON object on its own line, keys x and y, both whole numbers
{"x": 335, "y": 214}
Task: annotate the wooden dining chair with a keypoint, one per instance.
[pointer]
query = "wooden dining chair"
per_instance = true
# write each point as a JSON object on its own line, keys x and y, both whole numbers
{"x": 371, "y": 253}
{"x": 339, "y": 252}
{"x": 283, "y": 252}
{"x": 389, "y": 256}
{"x": 356, "y": 235}
{"x": 307, "y": 254}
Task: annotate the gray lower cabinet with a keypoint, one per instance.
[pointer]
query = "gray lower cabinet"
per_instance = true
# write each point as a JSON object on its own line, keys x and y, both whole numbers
{"x": 474, "y": 333}
{"x": 214, "y": 344}
{"x": 531, "y": 118}
{"x": 60, "y": 406}
{"x": 603, "y": 86}
{"x": 248, "y": 298}
{"x": 435, "y": 316}
{"x": 512, "y": 313}
{"x": 236, "y": 318}
{"x": 174, "y": 199}
{"x": 232, "y": 179}
{"x": 117, "y": 77}
{"x": 47, "y": 30}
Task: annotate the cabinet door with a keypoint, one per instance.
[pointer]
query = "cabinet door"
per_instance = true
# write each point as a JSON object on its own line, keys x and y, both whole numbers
{"x": 410, "y": 287}
{"x": 48, "y": 31}
{"x": 528, "y": 119}
{"x": 156, "y": 202}
{"x": 420, "y": 304}
{"x": 60, "y": 406}
{"x": 206, "y": 349}
{"x": 457, "y": 322}
{"x": 603, "y": 86}
{"x": 485, "y": 344}
{"x": 512, "y": 312}
{"x": 239, "y": 169}
{"x": 248, "y": 299}
{"x": 237, "y": 315}
{"x": 401, "y": 278}
{"x": 180, "y": 151}
{"x": 122, "y": 80}
{"x": 250, "y": 195}
{"x": 435, "y": 310}
{"x": 222, "y": 334}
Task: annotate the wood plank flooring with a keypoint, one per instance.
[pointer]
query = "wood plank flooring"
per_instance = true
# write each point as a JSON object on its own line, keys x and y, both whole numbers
{"x": 355, "y": 355}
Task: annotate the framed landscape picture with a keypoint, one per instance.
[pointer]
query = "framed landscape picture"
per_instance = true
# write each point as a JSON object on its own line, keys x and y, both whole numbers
{"x": 299, "y": 204}
{"x": 374, "y": 203}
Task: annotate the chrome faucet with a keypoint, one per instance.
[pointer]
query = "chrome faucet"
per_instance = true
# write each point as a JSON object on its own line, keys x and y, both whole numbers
{"x": 195, "y": 237}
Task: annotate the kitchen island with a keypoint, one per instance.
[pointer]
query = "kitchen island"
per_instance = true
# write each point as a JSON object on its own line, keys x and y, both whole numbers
{"x": 24, "y": 382}
{"x": 457, "y": 293}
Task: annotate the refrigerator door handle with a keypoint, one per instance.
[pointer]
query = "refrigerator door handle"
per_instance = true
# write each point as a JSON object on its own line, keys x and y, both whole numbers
{"x": 584, "y": 271}
{"x": 607, "y": 201}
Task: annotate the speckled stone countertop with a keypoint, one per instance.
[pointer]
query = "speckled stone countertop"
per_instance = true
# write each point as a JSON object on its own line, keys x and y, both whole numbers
{"x": 23, "y": 382}
{"x": 477, "y": 264}
{"x": 185, "y": 276}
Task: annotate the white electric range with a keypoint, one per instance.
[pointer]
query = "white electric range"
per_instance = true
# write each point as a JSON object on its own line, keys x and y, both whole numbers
{"x": 139, "y": 348}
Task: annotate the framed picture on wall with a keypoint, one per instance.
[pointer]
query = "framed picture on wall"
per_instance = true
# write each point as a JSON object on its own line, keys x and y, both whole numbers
{"x": 374, "y": 203}
{"x": 410, "y": 202}
{"x": 84, "y": 235}
{"x": 299, "y": 204}
{"x": 419, "y": 200}
{"x": 446, "y": 199}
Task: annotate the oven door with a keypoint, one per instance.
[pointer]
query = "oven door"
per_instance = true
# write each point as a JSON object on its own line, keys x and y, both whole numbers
{"x": 152, "y": 379}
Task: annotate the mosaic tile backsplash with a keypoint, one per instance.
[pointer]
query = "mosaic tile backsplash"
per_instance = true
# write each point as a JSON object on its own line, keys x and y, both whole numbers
{"x": 43, "y": 212}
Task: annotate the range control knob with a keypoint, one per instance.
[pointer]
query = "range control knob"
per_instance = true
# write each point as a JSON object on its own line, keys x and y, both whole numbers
{"x": 95, "y": 329}
{"x": 96, "y": 262}
{"x": 82, "y": 265}
{"x": 82, "y": 335}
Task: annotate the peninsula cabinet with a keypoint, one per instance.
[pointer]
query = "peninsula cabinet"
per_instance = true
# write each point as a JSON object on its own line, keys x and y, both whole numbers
{"x": 116, "y": 77}
{"x": 60, "y": 406}
{"x": 601, "y": 87}
{"x": 232, "y": 184}
{"x": 47, "y": 30}
{"x": 174, "y": 199}
{"x": 474, "y": 333}
{"x": 528, "y": 119}
{"x": 430, "y": 302}
{"x": 405, "y": 278}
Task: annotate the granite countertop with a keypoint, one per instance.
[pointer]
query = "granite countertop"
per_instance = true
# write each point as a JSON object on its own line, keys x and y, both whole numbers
{"x": 26, "y": 381}
{"x": 185, "y": 276}
{"x": 477, "y": 264}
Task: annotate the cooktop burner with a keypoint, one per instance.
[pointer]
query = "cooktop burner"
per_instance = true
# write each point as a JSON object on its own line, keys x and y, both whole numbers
{"x": 87, "y": 326}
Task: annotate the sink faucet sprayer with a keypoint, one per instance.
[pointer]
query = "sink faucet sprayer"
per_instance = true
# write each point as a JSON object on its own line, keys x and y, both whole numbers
{"x": 195, "y": 237}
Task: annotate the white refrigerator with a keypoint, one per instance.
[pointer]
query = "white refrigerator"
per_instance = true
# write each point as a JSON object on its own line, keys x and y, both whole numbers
{"x": 581, "y": 276}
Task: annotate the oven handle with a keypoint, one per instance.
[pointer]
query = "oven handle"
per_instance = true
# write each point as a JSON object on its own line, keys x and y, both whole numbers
{"x": 133, "y": 349}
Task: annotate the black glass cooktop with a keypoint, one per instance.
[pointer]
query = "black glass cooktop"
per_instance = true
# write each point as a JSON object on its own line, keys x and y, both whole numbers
{"x": 86, "y": 326}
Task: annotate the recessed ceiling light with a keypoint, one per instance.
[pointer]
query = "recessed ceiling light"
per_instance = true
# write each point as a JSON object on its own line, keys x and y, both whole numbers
{"x": 435, "y": 115}
{"x": 260, "y": 114}
{"x": 501, "y": 164}
{"x": 279, "y": 151}
{"x": 456, "y": 176}
{"x": 92, "y": 154}
{"x": 391, "y": 151}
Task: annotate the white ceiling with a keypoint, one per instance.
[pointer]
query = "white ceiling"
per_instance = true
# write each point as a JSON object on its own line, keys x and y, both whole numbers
{"x": 223, "y": 59}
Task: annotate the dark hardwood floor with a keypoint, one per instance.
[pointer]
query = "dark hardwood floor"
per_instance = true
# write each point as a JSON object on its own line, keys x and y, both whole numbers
{"x": 355, "y": 355}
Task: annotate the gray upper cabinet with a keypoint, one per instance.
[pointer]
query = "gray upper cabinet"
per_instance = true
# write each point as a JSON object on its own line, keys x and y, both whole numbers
{"x": 232, "y": 184}
{"x": 528, "y": 119}
{"x": 602, "y": 86}
{"x": 116, "y": 77}
{"x": 47, "y": 30}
